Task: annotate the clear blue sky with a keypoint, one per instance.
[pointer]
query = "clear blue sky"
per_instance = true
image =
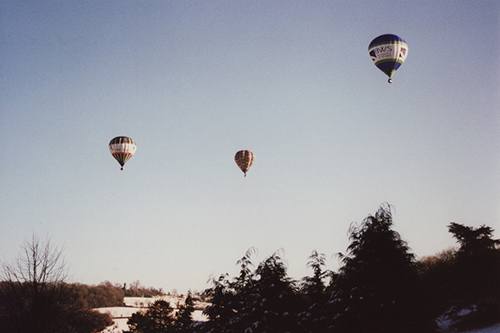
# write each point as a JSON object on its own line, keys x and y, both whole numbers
{"x": 195, "y": 81}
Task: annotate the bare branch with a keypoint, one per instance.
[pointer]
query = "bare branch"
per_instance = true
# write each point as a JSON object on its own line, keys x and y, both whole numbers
{"x": 38, "y": 263}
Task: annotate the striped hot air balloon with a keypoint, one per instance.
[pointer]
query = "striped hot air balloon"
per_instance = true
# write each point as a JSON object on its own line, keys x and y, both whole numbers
{"x": 122, "y": 148}
{"x": 388, "y": 52}
{"x": 244, "y": 159}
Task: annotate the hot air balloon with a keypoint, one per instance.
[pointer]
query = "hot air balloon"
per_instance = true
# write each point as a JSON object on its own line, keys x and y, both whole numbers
{"x": 244, "y": 159}
{"x": 122, "y": 148}
{"x": 388, "y": 52}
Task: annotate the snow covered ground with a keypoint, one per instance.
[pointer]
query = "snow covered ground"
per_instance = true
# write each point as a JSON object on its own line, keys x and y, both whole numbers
{"x": 445, "y": 325}
{"x": 120, "y": 315}
{"x": 492, "y": 329}
{"x": 445, "y": 328}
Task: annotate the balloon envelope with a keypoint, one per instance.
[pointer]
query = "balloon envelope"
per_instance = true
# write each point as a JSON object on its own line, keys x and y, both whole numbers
{"x": 122, "y": 148}
{"x": 244, "y": 159}
{"x": 388, "y": 52}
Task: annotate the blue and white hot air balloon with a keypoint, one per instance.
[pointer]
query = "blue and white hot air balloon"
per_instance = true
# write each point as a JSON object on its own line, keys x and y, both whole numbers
{"x": 388, "y": 52}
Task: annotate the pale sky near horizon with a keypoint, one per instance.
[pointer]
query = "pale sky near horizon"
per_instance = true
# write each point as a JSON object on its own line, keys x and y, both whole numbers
{"x": 192, "y": 82}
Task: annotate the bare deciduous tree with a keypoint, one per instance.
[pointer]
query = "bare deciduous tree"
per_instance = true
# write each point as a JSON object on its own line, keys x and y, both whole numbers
{"x": 34, "y": 295}
{"x": 38, "y": 263}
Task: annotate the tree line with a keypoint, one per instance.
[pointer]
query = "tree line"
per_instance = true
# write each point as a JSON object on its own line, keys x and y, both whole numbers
{"x": 381, "y": 286}
{"x": 107, "y": 294}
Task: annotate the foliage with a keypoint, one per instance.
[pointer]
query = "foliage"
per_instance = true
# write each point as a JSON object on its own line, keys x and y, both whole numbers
{"x": 103, "y": 295}
{"x": 315, "y": 285}
{"x": 136, "y": 290}
{"x": 314, "y": 291}
{"x": 184, "y": 316}
{"x": 35, "y": 297}
{"x": 475, "y": 276}
{"x": 275, "y": 303}
{"x": 380, "y": 286}
{"x": 472, "y": 241}
{"x": 377, "y": 289}
{"x": 435, "y": 274}
{"x": 264, "y": 300}
{"x": 159, "y": 317}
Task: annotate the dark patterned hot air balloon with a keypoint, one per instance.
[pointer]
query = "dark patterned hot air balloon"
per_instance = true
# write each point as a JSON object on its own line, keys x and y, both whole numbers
{"x": 122, "y": 148}
{"x": 244, "y": 159}
{"x": 388, "y": 52}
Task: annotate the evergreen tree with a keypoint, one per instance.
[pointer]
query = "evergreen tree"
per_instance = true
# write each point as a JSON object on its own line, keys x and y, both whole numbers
{"x": 377, "y": 289}
{"x": 275, "y": 304}
{"x": 221, "y": 309}
{"x": 232, "y": 301}
{"x": 435, "y": 274}
{"x": 264, "y": 300}
{"x": 158, "y": 318}
{"x": 313, "y": 317}
{"x": 314, "y": 286}
{"x": 475, "y": 276}
{"x": 184, "y": 316}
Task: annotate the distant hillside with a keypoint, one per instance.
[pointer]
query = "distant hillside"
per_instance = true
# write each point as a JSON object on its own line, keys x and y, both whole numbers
{"x": 174, "y": 300}
{"x": 120, "y": 315}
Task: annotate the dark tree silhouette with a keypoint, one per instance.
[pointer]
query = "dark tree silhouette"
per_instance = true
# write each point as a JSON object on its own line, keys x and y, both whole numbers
{"x": 435, "y": 274}
{"x": 158, "y": 317}
{"x": 315, "y": 286}
{"x": 377, "y": 289}
{"x": 222, "y": 301}
{"x": 260, "y": 301}
{"x": 34, "y": 296}
{"x": 380, "y": 286}
{"x": 475, "y": 277}
{"x": 184, "y": 316}
{"x": 314, "y": 316}
{"x": 275, "y": 300}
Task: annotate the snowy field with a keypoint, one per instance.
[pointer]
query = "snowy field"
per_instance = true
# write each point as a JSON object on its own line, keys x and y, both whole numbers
{"x": 120, "y": 315}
